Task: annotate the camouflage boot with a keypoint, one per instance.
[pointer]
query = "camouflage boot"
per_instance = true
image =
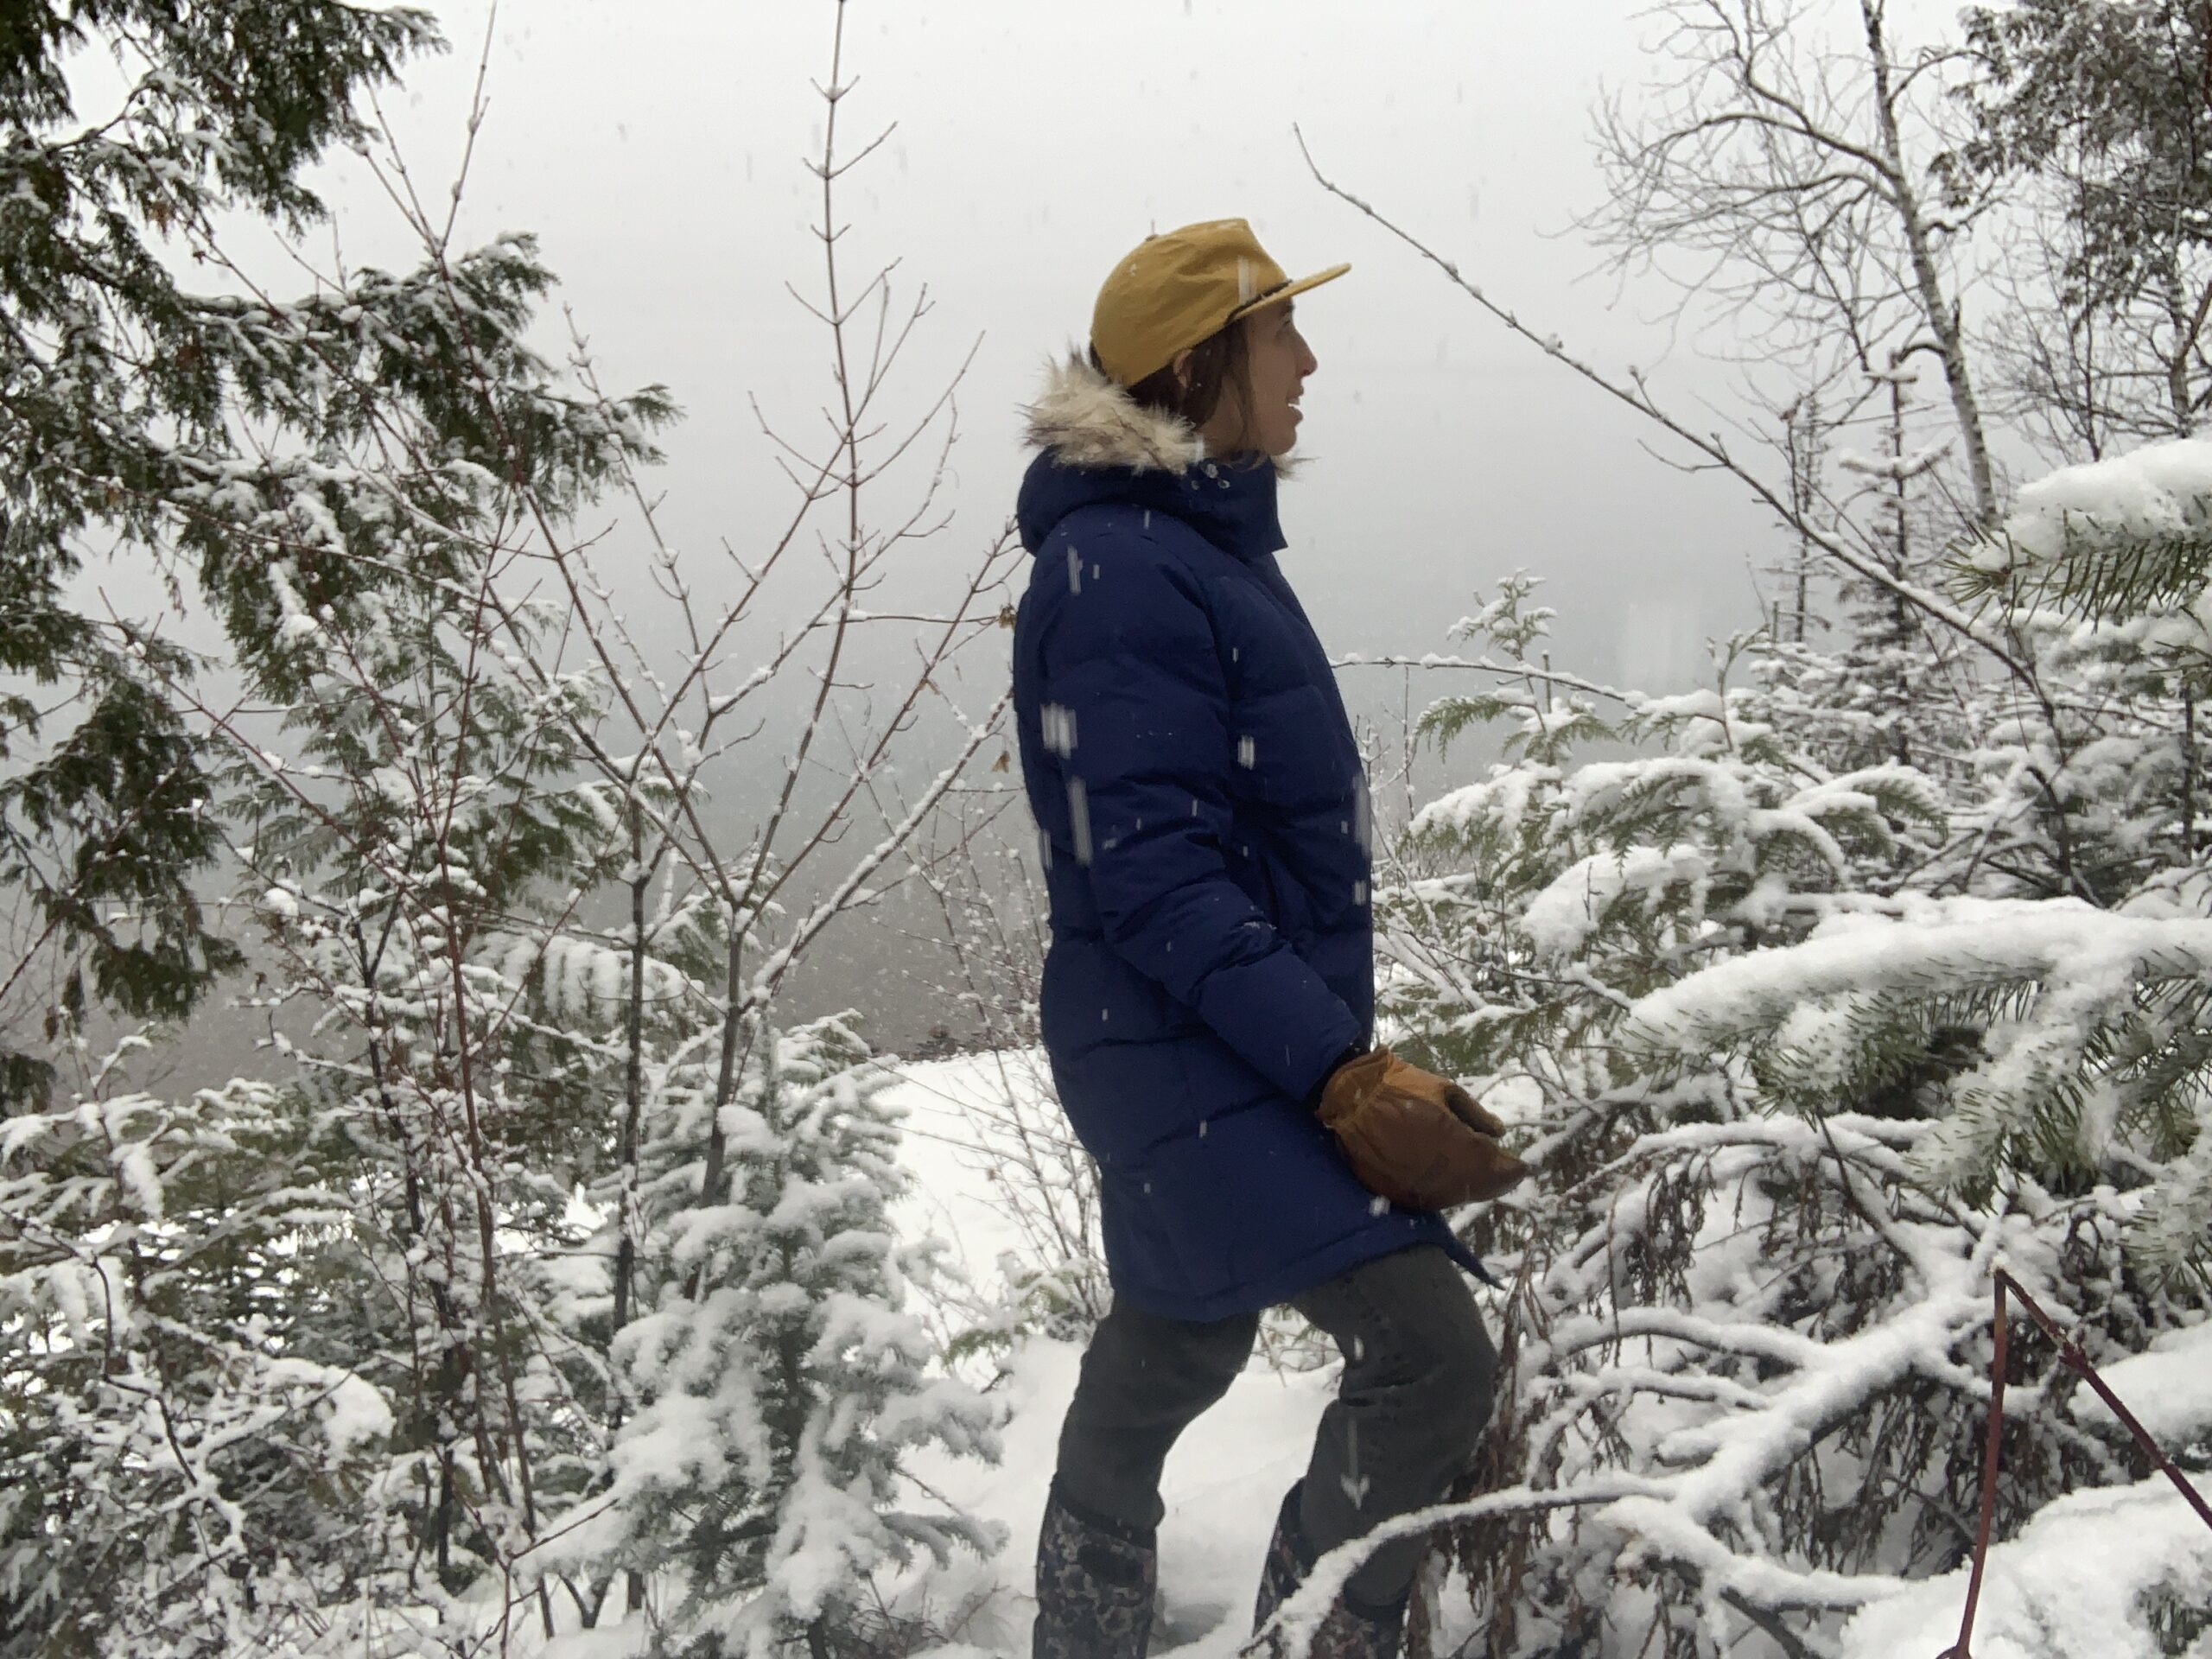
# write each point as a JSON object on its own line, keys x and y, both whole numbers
{"x": 1347, "y": 1632}
{"x": 1095, "y": 1582}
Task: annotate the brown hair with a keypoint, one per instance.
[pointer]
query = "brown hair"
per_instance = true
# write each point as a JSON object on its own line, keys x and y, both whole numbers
{"x": 1218, "y": 362}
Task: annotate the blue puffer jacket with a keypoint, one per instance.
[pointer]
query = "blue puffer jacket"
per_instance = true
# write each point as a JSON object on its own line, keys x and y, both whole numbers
{"x": 1204, "y": 815}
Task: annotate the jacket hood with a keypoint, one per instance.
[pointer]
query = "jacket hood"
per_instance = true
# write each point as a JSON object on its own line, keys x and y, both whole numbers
{"x": 1089, "y": 422}
{"x": 1097, "y": 444}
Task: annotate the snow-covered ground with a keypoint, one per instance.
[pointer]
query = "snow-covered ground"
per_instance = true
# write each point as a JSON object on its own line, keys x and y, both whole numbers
{"x": 2071, "y": 1587}
{"x": 1222, "y": 1485}
{"x": 951, "y": 1198}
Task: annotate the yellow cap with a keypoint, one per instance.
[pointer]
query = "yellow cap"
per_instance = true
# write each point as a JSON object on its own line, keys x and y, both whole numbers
{"x": 1172, "y": 290}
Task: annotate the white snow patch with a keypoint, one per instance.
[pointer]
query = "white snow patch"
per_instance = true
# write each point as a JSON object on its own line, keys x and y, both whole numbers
{"x": 2073, "y": 1584}
{"x": 2169, "y": 1389}
{"x": 1562, "y": 917}
{"x": 2162, "y": 489}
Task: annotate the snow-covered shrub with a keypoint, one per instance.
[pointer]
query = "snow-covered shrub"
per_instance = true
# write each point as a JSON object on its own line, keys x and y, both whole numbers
{"x": 2076, "y": 1021}
{"x": 2095, "y": 769}
{"x": 779, "y": 1376}
{"x": 187, "y": 1440}
{"x": 1536, "y": 903}
{"x": 1795, "y": 1085}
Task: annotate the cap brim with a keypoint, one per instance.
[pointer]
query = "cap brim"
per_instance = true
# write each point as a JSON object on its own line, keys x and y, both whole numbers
{"x": 1289, "y": 290}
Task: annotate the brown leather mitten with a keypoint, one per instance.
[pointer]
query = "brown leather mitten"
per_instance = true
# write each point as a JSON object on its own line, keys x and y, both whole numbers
{"x": 1468, "y": 1110}
{"x": 1416, "y": 1139}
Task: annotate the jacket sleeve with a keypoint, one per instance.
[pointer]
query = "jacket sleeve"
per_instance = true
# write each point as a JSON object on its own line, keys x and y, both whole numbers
{"x": 1137, "y": 710}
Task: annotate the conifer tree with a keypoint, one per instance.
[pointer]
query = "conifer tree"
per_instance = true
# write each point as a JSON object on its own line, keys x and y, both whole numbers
{"x": 1878, "y": 683}
{"x": 781, "y": 1378}
{"x": 1788, "y": 1103}
{"x": 2093, "y": 115}
{"x": 329, "y": 477}
{"x": 119, "y": 384}
{"x": 1573, "y": 887}
{"x": 186, "y": 1439}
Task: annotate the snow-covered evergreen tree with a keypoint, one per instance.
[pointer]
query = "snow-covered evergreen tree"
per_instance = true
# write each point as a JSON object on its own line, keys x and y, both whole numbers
{"x": 1795, "y": 1085}
{"x": 431, "y": 814}
{"x": 1566, "y": 888}
{"x": 187, "y": 1440}
{"x": 337, "y": 476}
{"x": 779, "y": 1373}
{"x": 1871, "y": 678}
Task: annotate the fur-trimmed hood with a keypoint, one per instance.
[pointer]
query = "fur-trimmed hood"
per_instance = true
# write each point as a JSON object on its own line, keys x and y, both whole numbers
{"x": 1098, "y": 446}
{"x": 1089, "y": 421}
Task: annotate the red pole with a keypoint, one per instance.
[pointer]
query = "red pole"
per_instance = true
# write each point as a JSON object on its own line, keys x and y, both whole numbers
{"x": 2069, "y": 1352}
{"x": 2079, "y": 1363}
{"x": 1999, "y": 1330}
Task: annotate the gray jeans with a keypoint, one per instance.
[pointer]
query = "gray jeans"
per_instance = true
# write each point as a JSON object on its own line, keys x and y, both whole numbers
{"x": 1418, "y": 1380}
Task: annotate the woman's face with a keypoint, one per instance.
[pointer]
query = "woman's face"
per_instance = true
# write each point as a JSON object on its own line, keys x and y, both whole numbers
{"x": 1277, "y": 361}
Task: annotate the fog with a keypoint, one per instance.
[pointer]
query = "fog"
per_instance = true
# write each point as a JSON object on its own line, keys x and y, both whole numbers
{"x": 657, "y": 149}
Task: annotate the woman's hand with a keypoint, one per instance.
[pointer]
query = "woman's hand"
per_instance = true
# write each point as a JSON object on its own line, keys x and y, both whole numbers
{"x": 1416, "y": 1139}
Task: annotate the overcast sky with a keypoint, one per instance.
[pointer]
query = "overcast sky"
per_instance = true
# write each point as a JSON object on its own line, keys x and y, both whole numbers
{"x": 655, "y": 148}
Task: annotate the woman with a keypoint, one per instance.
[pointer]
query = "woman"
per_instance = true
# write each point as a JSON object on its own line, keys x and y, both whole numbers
{"x": 1208, "y": 989}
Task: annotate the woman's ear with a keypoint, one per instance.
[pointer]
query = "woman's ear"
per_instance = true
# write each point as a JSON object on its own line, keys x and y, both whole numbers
{"x": 1182, "y": 367}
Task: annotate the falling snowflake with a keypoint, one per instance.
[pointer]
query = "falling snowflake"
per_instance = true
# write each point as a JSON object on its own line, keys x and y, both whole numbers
{"x": 1056, "y": 723}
